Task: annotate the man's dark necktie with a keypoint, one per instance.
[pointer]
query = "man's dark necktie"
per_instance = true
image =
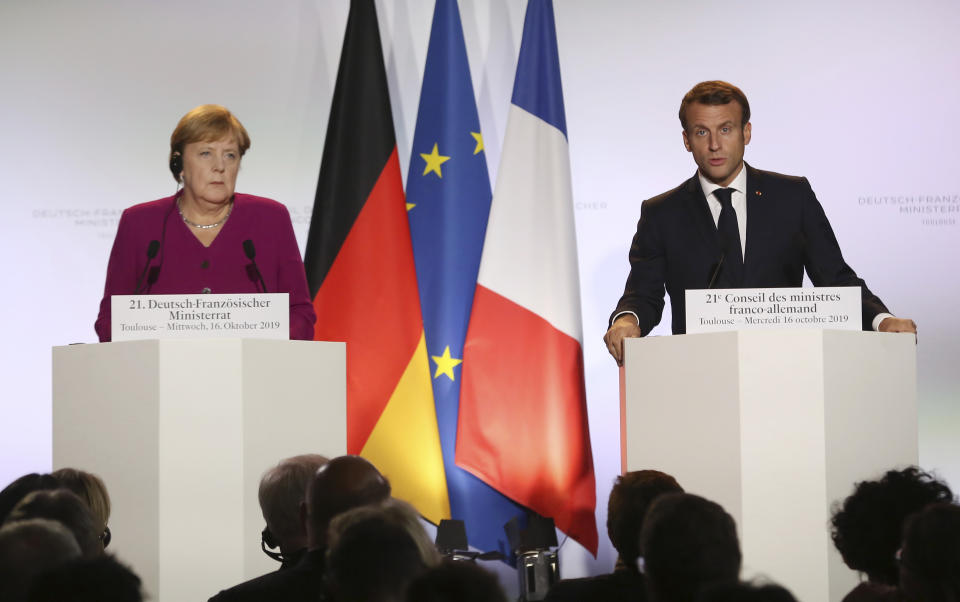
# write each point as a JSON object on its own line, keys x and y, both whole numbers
{"x": 729, "y": 238}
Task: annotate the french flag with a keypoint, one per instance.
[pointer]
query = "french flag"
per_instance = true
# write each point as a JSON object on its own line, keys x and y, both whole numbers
{"x": 522, "y": 427}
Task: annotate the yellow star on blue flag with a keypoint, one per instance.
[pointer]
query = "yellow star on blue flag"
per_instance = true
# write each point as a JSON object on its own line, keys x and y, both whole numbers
{"x": 434, "y": 160}
{"x": 445, "y": 364}
{"x": 447, "y": 231}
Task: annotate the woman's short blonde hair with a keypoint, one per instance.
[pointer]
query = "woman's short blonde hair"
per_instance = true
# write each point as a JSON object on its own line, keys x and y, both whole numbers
{"x": 90, "y": 488}
{"x": 204, "y": 124}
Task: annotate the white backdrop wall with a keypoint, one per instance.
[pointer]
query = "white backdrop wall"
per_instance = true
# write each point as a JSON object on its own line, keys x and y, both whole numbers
{"x": 859, "y": 96}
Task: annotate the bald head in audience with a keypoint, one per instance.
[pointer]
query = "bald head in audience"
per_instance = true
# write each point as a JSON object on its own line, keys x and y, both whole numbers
{"x": 343, "y": 483}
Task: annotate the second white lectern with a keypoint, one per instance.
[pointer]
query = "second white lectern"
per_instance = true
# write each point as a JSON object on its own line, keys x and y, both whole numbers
{"x": 776, "y": 426}
{"x": 181, "y": 431}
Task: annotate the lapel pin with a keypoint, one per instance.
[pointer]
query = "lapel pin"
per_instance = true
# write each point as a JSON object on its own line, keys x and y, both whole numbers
{"x": 759, "y": 193}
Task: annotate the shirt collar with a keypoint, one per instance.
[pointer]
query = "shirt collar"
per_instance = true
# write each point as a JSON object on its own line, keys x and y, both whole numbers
{"x": 739, "y": 183}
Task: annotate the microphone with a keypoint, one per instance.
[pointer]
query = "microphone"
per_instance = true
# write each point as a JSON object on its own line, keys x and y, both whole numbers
{"x": 716, "y": 270}
{"x": 152, "y": 249}
{"x": 252, "y": 269}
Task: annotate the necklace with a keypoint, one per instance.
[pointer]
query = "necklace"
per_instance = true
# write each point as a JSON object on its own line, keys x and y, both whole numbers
{"x": 203, "y": 226}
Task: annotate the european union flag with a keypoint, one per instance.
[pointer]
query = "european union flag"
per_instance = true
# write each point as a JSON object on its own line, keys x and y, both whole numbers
{"x": 448, "y": 201}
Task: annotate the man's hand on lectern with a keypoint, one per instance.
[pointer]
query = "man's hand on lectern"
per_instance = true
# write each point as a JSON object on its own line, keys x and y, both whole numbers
{"x": 624, "y": 326}
{"x": 897, "y": 325}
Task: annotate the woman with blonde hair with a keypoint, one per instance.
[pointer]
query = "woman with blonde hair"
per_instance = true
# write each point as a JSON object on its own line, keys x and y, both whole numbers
{"x": 207, "y": 238}
{"x": 91, "y": 489}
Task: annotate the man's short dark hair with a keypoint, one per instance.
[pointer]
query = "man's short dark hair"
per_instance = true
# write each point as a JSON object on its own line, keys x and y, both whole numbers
{"x": 866, "y": 528}
{"x": 714, "y": 93}
{"x": 28, "y": 548}
{"x": 930, "y": 560}
{"x": 66, "y": 508}
{"x": 746, "y": 592}
{"x": 343, "y": 483}
{"x": 17, "y": 490}
{"x": 100, "y": 579}
{"x": 373, "y": 560}
{"x": 630, "y": 498}
{"x": 688, "y": 542}
{"x": 456, "y": 581}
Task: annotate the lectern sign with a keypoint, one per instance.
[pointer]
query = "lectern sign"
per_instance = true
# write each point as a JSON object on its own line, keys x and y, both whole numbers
{"x": 716, "y": 310}
{"x": 200, "y": 316}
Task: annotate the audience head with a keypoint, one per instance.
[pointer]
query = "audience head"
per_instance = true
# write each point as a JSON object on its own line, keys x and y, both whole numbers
{"x": 866, "y": 529}
{"x": 394, "y": 511}
{"x": 376, "y": 551}
{"x": 930, "y": 557}
{"x": 17, "y": 490}
{"x": 745, "y": 592}
{"x": 456, "y": 581}
{"x": 688, "y": 542}
{"x": 29, "y": 547}
{"x": 283, "y": 489}
{"x": 100, "y": 579}
{"x": 90, "y": 488}
{"x": 630, "y": 498}
{"x": 66, "y": 508}
{"x": 343, "y": 483}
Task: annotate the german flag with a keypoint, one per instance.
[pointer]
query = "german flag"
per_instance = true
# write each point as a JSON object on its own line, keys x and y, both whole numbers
{"x": 360, "y": 268}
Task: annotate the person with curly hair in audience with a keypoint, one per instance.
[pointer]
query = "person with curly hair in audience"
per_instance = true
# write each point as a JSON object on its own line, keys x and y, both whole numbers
{"x": 867, "y": 526}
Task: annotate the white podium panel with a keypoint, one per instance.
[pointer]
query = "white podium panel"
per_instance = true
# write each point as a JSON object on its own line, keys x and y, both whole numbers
{"x": 181, "y": 432}
{"x": 776, "y": 426}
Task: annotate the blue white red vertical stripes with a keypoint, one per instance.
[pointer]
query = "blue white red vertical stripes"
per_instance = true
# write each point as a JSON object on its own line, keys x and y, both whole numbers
{"x": 523, "y": 417}
{"x": 448, "y": 197}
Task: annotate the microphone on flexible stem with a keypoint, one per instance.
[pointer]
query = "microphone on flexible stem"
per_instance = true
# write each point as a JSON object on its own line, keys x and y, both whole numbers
{"x": 716, "y": 271}
{"x": 251, "y": 252}
{"x": 152, "y": 249}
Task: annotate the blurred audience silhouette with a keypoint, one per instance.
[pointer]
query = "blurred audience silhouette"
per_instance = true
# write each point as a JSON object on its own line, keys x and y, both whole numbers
{"x": 688, "y": 542}
{"x": 629, "y": 500}
{"x": 867, "y": 527}
{"x": 340, "y": 537}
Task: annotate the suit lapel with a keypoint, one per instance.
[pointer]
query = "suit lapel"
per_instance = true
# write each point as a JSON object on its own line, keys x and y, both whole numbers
{"x": 700, "y": 213}
{"x": 759, "y": 216}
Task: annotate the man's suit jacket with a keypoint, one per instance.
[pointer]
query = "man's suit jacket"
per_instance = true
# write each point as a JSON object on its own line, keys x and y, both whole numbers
{"x": 300, "y": 583}
{"x": 622, "y": 585}
{"x": 677, "y": 247}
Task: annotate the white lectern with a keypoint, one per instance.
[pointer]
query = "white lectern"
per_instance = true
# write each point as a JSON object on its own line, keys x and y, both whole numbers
{"x": 181, "y": 431}
{"x": 775, "y": 426}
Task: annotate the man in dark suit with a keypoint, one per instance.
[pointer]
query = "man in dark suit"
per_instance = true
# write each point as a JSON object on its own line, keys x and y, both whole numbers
{"x": 341, "y": 484}
{"x": 690, "y": 237}
{"x": 630, "y": 497}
